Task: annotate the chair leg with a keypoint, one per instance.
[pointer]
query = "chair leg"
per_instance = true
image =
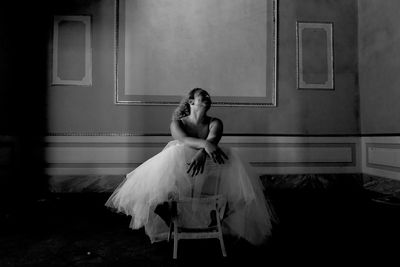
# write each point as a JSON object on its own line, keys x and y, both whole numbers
{"x": 221, "y": 238}
{"x": 175, "y": 255}
{"x": 221, "y": 242}
{"x": 170, "y": 230}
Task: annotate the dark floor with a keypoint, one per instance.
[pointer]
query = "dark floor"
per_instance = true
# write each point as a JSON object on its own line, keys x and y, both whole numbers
{"x": 314, "y": 228}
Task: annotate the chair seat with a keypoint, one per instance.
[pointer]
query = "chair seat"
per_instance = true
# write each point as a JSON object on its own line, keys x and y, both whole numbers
{"x": 197, "y": 230}
{"x": 198, "y": 235}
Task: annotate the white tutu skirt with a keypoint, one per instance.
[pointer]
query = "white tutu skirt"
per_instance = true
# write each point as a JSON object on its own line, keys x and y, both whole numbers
{"x": 248, "y": 215}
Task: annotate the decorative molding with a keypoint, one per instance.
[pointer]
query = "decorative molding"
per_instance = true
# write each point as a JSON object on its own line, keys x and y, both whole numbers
{"x": 116, "y": 155}
{"x": 69, "y": 53}
{"x": 99, "y": 134}
{"x": 67, "y": 154}
{"x": 225, "y": 134}
{"x": 173, "y": 98}
{"x": 381, "y": 156}
{"x": 307, "y": 48}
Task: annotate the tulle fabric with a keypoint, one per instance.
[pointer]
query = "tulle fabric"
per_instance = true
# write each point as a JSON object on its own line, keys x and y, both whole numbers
{"x": 248, "y": 214}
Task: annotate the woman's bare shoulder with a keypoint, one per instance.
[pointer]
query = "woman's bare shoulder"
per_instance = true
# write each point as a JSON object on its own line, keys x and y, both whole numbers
{"x": 176, "y": 122}
{"x": 215, "y": 122}
{"x": 176, "y": 125}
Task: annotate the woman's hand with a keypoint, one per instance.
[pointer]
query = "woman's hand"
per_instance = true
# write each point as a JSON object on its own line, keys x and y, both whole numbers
{"x": 196, "y": 165}
{"x": 215, "y": 153}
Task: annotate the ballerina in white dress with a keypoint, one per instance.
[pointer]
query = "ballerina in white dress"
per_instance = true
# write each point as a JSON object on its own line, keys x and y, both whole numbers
{"x": 185, "y": 167}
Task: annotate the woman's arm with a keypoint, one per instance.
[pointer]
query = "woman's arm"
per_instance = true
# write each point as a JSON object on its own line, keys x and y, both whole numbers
{"x": 196, "y": 165}
{"x": 178, "y": 133}
{"x": 208, "y": 146}
{"x": 216, "y": 130}
{"x": 214, "y": 135}
{"x": 213, "y": 138}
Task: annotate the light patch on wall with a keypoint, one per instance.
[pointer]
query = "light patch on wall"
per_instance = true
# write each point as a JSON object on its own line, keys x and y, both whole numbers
{"x": 165, "y": 48}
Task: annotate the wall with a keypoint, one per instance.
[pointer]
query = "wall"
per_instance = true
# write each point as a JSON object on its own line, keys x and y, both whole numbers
{"x": 92, "y": 109}
{"x": 379, "y": 62}
{"x": 89, "y": 112}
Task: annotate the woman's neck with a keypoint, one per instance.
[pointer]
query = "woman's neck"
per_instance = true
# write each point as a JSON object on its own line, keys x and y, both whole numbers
{"x": 197, "y": 117}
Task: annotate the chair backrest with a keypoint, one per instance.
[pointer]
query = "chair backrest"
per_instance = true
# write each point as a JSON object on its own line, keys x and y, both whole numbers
{"x": 200, "y": 212}
{"x": 199, "y": 208}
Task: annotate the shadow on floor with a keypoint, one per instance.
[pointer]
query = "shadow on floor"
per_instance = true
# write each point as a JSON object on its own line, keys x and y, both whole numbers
{"x": 77, "y": 230}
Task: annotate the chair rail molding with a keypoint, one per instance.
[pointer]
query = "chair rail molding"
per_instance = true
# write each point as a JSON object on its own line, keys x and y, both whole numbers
{"x": 120, "y": 154}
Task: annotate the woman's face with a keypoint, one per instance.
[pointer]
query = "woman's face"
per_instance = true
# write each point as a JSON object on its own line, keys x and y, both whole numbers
{"x": 202, "y": 100}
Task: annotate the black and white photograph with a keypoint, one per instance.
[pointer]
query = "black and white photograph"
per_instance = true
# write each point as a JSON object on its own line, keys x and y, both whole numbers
{"x": 199, "y": 133}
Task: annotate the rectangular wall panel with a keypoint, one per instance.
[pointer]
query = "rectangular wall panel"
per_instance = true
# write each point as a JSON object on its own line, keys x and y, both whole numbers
{"x": 381, "y": 156}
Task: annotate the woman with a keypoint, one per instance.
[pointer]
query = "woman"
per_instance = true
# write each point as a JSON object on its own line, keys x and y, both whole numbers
{"x": 190, "y": 165}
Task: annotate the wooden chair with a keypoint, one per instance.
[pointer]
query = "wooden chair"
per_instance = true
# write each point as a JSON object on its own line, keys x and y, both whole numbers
{"x": 197, "y": 218}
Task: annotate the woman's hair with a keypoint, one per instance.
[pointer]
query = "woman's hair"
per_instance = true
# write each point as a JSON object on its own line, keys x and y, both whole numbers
{"x": 183, "y": 109}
